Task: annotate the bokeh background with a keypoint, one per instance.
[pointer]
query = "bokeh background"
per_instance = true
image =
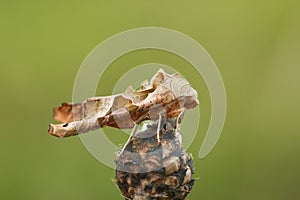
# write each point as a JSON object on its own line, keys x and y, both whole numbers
{"x": 255, "y": 44}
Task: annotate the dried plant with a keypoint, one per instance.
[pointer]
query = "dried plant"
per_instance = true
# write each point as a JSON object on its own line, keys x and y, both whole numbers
{"x": 149, "y": 169}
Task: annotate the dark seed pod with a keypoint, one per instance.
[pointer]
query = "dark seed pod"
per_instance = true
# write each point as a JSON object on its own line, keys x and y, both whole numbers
{"x": 155, "y": 167}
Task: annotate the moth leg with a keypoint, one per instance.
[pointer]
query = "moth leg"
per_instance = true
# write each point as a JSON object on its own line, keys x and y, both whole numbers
{"x": 158, "y": 127}
{"x": 132, "y": 134}
{"x": 125, "y": 197}
{"x": 178, "y": 119}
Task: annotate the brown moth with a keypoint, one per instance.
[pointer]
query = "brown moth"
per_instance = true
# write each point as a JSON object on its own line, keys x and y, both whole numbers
{"x": 152, "y": 165}
{"x": 170, "y": 93}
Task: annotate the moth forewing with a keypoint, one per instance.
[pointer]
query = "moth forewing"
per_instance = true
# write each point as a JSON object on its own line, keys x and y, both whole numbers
{"x": 172, "y": 92}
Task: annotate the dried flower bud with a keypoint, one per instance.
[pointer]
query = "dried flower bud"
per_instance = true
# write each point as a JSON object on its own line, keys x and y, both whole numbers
{"x": 162, "y": 172}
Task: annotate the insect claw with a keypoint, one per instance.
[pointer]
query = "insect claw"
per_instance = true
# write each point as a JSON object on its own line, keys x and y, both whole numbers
{"x": 179, "y": 118}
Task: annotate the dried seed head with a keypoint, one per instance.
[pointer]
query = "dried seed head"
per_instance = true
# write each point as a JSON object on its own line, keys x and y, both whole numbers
{"x": 171, "y": 165}
{"x": 164, "y": 170}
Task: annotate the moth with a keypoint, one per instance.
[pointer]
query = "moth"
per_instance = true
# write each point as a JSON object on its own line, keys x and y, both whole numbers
{"x": 152, "y": 164}
{"x": 171, "y": 94}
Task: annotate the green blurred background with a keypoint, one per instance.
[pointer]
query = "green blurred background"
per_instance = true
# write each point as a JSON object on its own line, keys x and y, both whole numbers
{"x": 255, "y": 44}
